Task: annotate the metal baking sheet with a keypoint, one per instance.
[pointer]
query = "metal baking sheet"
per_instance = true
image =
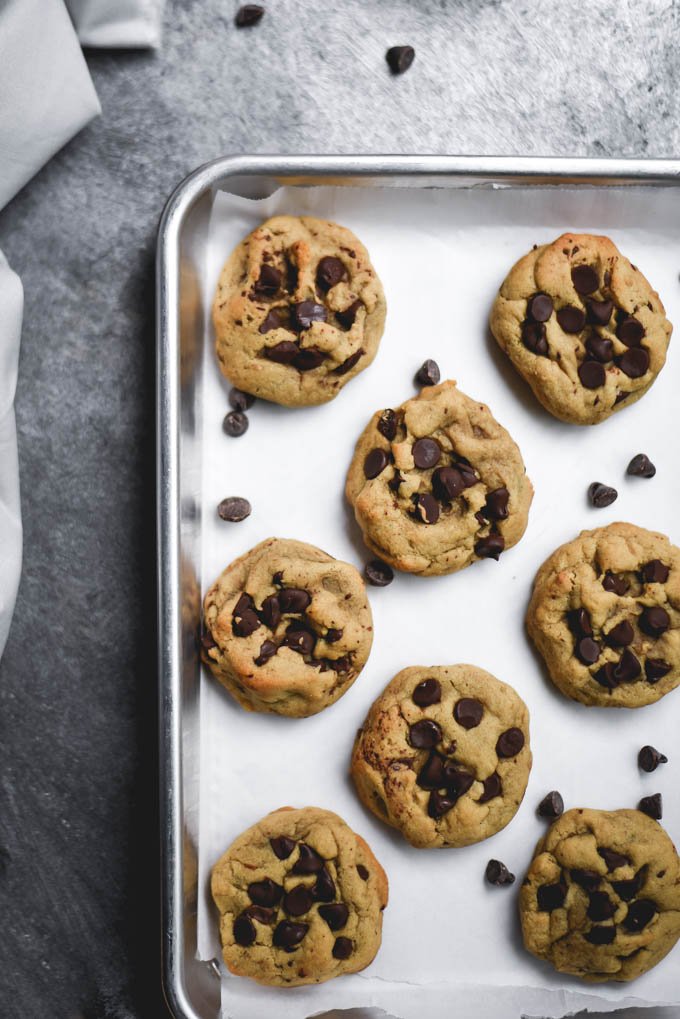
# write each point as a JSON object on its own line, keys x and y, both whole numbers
{"x": 193, "y": 987}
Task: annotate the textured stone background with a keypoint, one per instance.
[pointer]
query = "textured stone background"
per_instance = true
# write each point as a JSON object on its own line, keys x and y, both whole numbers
{"x": 78, "y": 843}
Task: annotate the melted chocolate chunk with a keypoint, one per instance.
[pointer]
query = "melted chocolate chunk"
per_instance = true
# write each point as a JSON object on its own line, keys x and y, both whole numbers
{"x": 550, "y": 897}
{"x": 468, "y": 712}
{"x": 601, "y": 906}
{"x": 282, "y": 846}
{"x": 599, "y": 312}
{"x": 492, "y": 788}
{"x": 612, "y": 859}
{"x": 654, "y": 572}
{"x": 335, "y": 915}
{"x": 571, "y": 319}
{"x": 270, "y": 613}
{"x": 447, "y": 483}
{"x": 510, "y": 742}
{"x": 244, "y": 619}
{"x": 299, "y": 638}
{"x": 615, "y": 583}
{"x": 440, "y": 804}
{"x": 654, "y": 621}
{"x": 294, "y": 599}
{"x": 298, "y": 901}
{"x": 496, "y": 506}
{"x": 534, "y": 338}
{"x": 431, "y": 775}
{"x": 267, "y": 651}
{"x": 622, "y": 634}
{"x": 426, "y": 693}
{"x": 288, "y": 935}
{"x": 600, "y": 348}
{"x": 329, "y": 272}
{"x": 634, "y": 363}
{"x": 424, "y": 734}
{"x": 426, "y": 508}
{"x": 600, "y": 935}
{"x": 261, "y": 914}
{"x": 323, "y": 889}
{"x": 585, "y": 279}
{"x": 640, "y": 913}
{"x": 284, "y": 352}
{"x": 579, "y": 622}
{"x": 586, "y": 879}
{"x": 308, "y": 862}
{"x": 309, "y": 359}
{"x": 304, "y": 313}
{"x": 347, "y": 317}
{"x": 627, "y": 890}
{"x": 342, "y": 949}
{"x": 265, "y": 892}
{"x": 269, "y": 281}
{"x": 656, "y": 669}
{"x": 375, "y": 463}
{"x": 490, "y": 547}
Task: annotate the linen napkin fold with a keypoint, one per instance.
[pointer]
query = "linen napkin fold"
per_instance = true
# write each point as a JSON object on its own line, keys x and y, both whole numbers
{"x": 11, "y": 311}
{"x": 117, "y": 23}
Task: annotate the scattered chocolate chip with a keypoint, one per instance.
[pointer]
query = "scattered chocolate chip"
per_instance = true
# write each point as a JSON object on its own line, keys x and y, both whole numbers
{"x": 534, "y": 338}
{"x": 634, "y": 363}
{"x": 378, "y": 573}
{"x": 497, "y": 873}
{"x": 550, "y": 897}
{"x": 294, "y": 599}
{"x": 654, "y": 621}
{"x": 308, "y": 862}
{"x": 652, "y": 806}
{"x": 267, "y": 651}
{"x": 654, "y": 572}
{"x": 424, "y": 734}
{"x": 615, "y": 583}
{"x": 492, "y": 788}
{"x": 427, "y": 508}
{"x": 600, "y": 906}
{"x": 240, "y": 400}
{"x": 468, "y": 712}
{"x": 612, "y": 859}
{"x": 426, "y": 693}
{"x": 298, "y": 901}
{"x": 329, "y": 272}
{"x": 284, "y": 352}
{"x": 585, "y": 279}
{"x": 299, "y": 638}
{"x": 342, "y": 949}
{"x": 552, "y": 805}
{"x": 362, "y": 871}
{"x": 235, "y": 423}
{"x": 400, "y": 58}
{"x": 282, "y": 846}
{"x": 579, "y": 622}
{"x": 600, "y": 935}
{"x": 245, "y": 620}
{"x": 539, "y": 307}
{"x": 335, "y": 915}
{"x": 261, "y": 914}
{"x": 428, "y": 374}
{"x": 248, "y": 15}
{"x": 640, "y": 913}
{"x": 571, "y": 319}
{"x": 265, "y": 892}
{"x": 641, "y": 467}
{"x": 440, "y": 803}
{"x": 600, "y": 348}
{"x": 304, "y": 313}
{"x": 510, "y": 742}
{"x": 628, "y": 668}
{"x": 599, "y": 312}
{"x": 426, "y": 453}
{"x": 323, "y": 888}
{"x": 601, "y": 495}
{"x": 244, "y": 931}
{"x": 269, "y": 281}
{"x": 490, "y": 547}
{"x": 447, "y": 483}
{"x": 346, "y": 318}
{"x": 375, "y": 463}
{"x": 656, "y": 669}
{"x": 591, "y": 374}
{"x": 288, "y": 935}
{"x": 387, "y": 424}
{"x": 630, "y": 331}
{"x": 586, "y": 879}
{"x": 350, "y": 362}
{"x": 649, "y": 758}
{"x": 587, "y": 650}
{"x": 270, "y": 613}
{"x": 622, "y": 634}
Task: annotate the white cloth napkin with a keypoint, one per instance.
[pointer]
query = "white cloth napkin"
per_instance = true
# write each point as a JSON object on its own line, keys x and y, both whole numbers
{"x": 11, "y": 310}
{"x": 134, "y": 23}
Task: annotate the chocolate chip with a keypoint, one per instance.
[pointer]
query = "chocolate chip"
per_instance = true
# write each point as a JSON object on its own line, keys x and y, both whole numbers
{"x": 387, "y": 424}
{"x": 622, "y": 634}
{"x": 329, "y": 272}
{"x": 496, "y": 506}
{"x": 240, "y": 400}
{"x": 288, "y": 935}
{"x": 269, "y": 281}
{"x": 274, "y": 320}
{"x": 343, "y": 664}
{"x": 587, "y": 650}
{"x": 654, "y": 572}
{"x": 534, "y": 338}
{"x": 308, "y": 862}
{"x": 629, "y": 330}
{"x": 426, "y": 693}
{"x": 490, "y": 547}
{"x": 323, "y": 889}
{"x": 654, "y": 621}
{"x": 424, "y": 734}
{"x": 282, "y": 846}
{"x": 431, "y": 775}
{"x": 634, "y": 363}
{"x": 270, "y": 613}
{"x": 440, "y": 803}
{"x": 428, "y": 374}
{"x": 248, "y": 15}
{"x": 234, "y": 509}
{"x": 492, "y": 788}
{"x": 284, "y": 352}
{"x": 456, "y": 779}
{"x": 627, "y": 668}
{"x": 612, "y": 859}
{"x": 394, "y": 482}
{"x": 298, "y": 900}
{"x": 400, "y": 58}
{"x": 586, "y": 879}
{"x": 649, "y": 758}
{"x": 335, "y": 915}
{"x": 601, "y": 906}
{"x": 510, "y": 742}
{"x": 261, "y": 914}
{"x": 207, "y": 641}
{"x": 332, "y": 635}
{"x": 640, "y": 913}
{"x": 294, "y": 599}
{"x": 600, "y": 348}
{"x": 308, "y": 359}
{"x": 244, "y": 619}
{"x": 267, "y": 651}
{"x": 468, "y": 712}
{"x": 378, "y": 573}
{"x": 427, "y": 508}
{"x": 497, "y": 873}
{"x": 656, "y": 669}
{"x": 606, "y": 676}
{"x": 615, "y": 583}
{"x": 585, "y": 279}
{"x": 304, "y": 313}
{"x": 362, "y": 872}
{"x": 447, "y": 483}
{"x": 571, "y": 319}
{"x": 375, "y": 463}
{"x": 342, "y": 949}
{"x": 539, "y": 307}
{"x": 599, "y": 312}
{"x": 601, "y": 495}
{"x": 627, "y": 890}
{"x": 466, "y": 471}
{"x": 550, "y": 897}
{"x": 346, "y": 318}
{"x": 299, "y": 638}
{"x": 552, "y": 805}
{"x": 641, "y": 467}
{"x": 426, "y": 453}
{"x": 591, "y": 374}
{"x": 244, "y": 931}
{"x": 652, "y": 806}
{"x": 579, "y": 622}
{"x": 600, "y": 935}
{"x": 265, "y": 892}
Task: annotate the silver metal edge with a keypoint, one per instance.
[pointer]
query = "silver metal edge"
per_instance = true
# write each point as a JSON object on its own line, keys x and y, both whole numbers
{"x": 297, "y": 170}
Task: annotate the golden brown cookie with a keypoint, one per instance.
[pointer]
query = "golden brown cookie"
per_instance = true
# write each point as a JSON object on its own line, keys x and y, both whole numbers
{"x": 438, "y": 483}
{"x": 287, "y": 628}
{"x": 444, "y": 755}
{"x": 300, "y": 897}
{"x": 601, "y": 899}
{"x": 582, "y": 326}
{"x": 605, "y": 615}
{"x": 299, "y": 311}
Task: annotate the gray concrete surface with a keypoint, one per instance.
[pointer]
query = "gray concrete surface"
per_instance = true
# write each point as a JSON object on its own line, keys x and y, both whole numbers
{"x": 78, "y": 842}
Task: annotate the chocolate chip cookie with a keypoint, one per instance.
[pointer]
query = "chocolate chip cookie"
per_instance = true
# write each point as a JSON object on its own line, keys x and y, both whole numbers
{"x": 582, "y": 326}
{"x": 299, "y": 311}
{"x": 601, "y": 899}
{"x": 287, "y": 628}
{"x": 444, "y": 755}
{"x": 300, "y": 897}
{"x": 438, "y": 483}
{"x": 605, "y": 615}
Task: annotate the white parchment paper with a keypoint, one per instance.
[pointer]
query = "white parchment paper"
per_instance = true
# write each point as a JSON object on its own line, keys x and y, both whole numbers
{"x": 451, "y": 943}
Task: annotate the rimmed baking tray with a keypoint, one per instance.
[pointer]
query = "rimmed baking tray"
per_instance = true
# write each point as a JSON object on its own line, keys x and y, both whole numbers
{"x": 192, "y": 987}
